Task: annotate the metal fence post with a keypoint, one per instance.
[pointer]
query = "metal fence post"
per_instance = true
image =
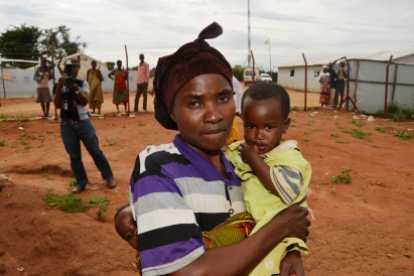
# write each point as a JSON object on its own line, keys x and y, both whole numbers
{"x": 386, "y": 87}
{"x": 306, "y": 79}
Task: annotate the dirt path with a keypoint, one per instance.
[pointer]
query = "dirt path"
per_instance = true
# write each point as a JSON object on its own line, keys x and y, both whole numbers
{"x": 357, "y": 225}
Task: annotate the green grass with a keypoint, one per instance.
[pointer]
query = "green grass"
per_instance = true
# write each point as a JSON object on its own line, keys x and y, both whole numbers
{"x": 5, "y": 117}
{"x": 110, "y": 142}
{"x": 376, "y": 147}
{"x": 357, "y": 133}
{"x": 50, "y": 132}
{"x": 319, "y": 129}
{"x": 316, "y": 107}
{"x": 44, "y": 175}
{"x": 292, "y": 125}
{"x": 396, "y": 111}
{"x": 27, "y": 147}
{"x": 403, "y": 135}
{"x": 294, "y": 108}
{"x": 344, "y": 177}
{"x": 141, "y": 124}
{"x": 305, "y": 140}
{"x": 307, "y": 124}
{"x": 69, "y": 203}
{"x": 8, "y": 194}
{"x": 100, "y": 204}
{"x": 3, "y": 143}
{"x": 293, "y": 120}
{"x": 380, "y": 129}
{"x": 334, "y": 135}
{"x": 410, "y": 187}
{"x": 281, "y": 139}
{"x": 333, "y": 192}
{"x": 340, "y": 142}
{"x": 358, "y": 124}
{"x": 307, "y": 132}
{"x": 358, "y": 195}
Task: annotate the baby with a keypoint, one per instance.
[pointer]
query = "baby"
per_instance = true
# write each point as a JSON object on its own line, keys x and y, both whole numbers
{"x": 274, "y": 175}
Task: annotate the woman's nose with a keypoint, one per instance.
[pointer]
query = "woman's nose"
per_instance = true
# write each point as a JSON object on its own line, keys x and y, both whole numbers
{"x": 212, "y": 114}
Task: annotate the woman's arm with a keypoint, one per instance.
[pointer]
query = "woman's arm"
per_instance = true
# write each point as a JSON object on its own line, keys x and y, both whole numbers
{"x": 241, "y": 258}
{"x": 100, "y": 77}
{"x": 110, "y": 75}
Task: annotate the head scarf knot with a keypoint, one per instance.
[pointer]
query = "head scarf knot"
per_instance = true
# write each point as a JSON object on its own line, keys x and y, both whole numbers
{"x": 175, "y": 70}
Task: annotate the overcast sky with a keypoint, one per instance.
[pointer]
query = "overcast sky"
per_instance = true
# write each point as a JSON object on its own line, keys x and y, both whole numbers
{"x": 158, "y": 27}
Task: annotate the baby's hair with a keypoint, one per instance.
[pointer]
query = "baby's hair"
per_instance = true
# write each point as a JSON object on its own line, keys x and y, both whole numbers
{"x": 264, "y": 91}
{"x": 119, "y": 211}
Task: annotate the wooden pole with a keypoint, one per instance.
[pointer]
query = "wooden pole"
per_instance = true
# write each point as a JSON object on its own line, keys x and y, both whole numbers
{"x": 306, "y": 79}
{"x": 4, "y": 88}
{"x": 386, "y": 87}
{"x": 53, "y": 68}
{"x": 126, "y": 53}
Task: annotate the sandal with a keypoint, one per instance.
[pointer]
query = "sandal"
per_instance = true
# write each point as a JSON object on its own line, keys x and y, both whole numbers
{"x": 117, "y": 111}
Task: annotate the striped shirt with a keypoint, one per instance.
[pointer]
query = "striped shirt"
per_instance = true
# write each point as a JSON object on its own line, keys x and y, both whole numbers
{"x": 176, "y": 193}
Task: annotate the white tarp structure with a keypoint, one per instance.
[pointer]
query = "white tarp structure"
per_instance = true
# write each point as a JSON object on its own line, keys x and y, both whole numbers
{"x": 85, "y": 62}
{"x": 367, "y": 84}
{"x": 367, "y": 77}
{"x": 23, "y": 85}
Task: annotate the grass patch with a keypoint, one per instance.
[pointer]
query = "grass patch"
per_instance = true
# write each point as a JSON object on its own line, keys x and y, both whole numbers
{"x": 292, "y": 125}
{"x": 5, "y": 117}
{"x": 69, "y": 203}
{"x": 319, "y": 129}
{"x": 402, "y": 135}
{"x": 305, "y": 140}
{"x": 358, "y": 195}
{"x": 376, "y": 147}
{"x": 410, "y": 187}
{"x": 316, "y": 107}
{"x": 100, "y": 204}
{"x": 334, "y": 135}
{"x": 307, "y": 124}
{"x": 357, "y": 133}
{"x": 397, "y": 111}
{"x": 8, "y": 194}
{"x": 307, "y": 132}
{"x": 293, "y": 120}
{"x": 358, "y": 124}
{"x": 333, "y": 192}
{"x": 141, "y": 124}
{"x": 380, "y": 129}
{"x": 344, "y": 177}
{"x": 3, "y": 143}
{"x": 27, "y": 147}
{"x": 294, "y": 108}
{"x": 340, "y": 142}
{"x": 43, "y": 175}
{"x": 281, "y": 139}
{"x": 50, "y": 132}
{"x": 110, "y": 142}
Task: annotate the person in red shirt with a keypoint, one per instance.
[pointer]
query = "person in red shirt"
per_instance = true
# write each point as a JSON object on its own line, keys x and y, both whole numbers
{"x": 142, "y": 83}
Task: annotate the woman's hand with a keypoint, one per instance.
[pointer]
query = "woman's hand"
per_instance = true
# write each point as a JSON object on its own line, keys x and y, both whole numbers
{"x": 292, "y": 265}
{"x": 296, "y": 221}
{"x": 249, "y": 153}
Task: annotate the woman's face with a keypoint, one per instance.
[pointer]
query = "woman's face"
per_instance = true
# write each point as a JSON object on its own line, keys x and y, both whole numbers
{"x": 43, "y": 62}
{"x": 204, "y": 111}
{"x": 93, "y": 65}
{"x": 119, "y": 64}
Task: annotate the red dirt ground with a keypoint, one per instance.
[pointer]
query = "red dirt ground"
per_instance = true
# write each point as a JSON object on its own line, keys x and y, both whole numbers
{"x": 354, "y": 231}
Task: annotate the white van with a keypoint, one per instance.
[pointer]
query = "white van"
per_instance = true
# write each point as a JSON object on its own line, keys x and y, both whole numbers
{"x": 248, "y": 75}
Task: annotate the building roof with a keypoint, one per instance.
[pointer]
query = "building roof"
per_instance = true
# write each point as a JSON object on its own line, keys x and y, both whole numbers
{"x": 380, "y": 56}
{"x": 18, "y": 60}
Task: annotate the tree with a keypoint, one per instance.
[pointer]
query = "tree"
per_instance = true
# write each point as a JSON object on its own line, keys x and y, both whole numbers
{"x": 110, "y": 65}
{"x": 60, "y": 36}
{"x": 21, "y": 43}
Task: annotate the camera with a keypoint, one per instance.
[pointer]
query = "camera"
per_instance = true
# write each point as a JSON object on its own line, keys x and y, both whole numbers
{"x": 70, "y": 81}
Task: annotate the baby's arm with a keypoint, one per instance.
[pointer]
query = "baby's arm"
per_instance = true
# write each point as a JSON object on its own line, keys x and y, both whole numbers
{"x": 250, "y": 155}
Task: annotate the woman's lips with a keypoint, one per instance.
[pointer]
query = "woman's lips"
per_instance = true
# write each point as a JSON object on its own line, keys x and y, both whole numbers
{"x": 214, "y": 131}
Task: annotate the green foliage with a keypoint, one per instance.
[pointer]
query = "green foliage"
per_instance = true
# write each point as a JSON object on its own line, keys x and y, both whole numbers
{"x": 8, "y": 194}
{"x": 3, "y": 143}
{"x": 307, "y": 124}
{"x": 357, "y": 133}
{"x": 100, "y": 203}
{"x": 319, "y": 129}
{"x": 110, "y": 142}
{"x": 5, "y": 117}
{"x": 238, "y": 73}
{"x": 410, "y": 187}
{"x": 110, "y": 65}
{"x": 376, "y": 147}
{"x": 316, "y": 107}
{"x": 343, "y": 177}
{"x": 366, "y": 200}
{"x": 334, "y": 135}
{"x": 380, "y": 129}
{"x": 50, "y": 132}
{"x": 333, "y": 192}
{"x": 293, "y": 125}
{"x": 305, "y": 140}
{"x": 21, "y": 43}
{"x": 358, "y": 195}
{"x": 293, "y": 120}
{"x": 307, "y": 132}
{"x": 44, "y": 175}
{"x": 402, "y": 135}
{"x": 294, "y": 108}
{"x": 69, "y": 203}
{"x": 72, "y": 182}
{"x": 27, "y": 147}
{"x": 141, "y": 124}
{"x": 358, "y": 124}
{"x": 60, "y": 36}
{"x": 396, "y": 111}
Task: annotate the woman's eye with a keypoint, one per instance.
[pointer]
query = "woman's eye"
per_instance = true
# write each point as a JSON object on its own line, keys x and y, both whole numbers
{"x": 129, "y": 237}
{"x": 223, "y": 98}
{"x": 193, "y": 104}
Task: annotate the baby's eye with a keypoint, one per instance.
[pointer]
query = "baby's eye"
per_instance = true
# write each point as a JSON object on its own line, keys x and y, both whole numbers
{"x": 250, "y": 127}
{"x": 129, "y": 237}
{"x": 270, "y": 127}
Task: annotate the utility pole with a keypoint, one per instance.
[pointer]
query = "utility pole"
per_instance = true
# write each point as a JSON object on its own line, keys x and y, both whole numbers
{"x": 248, "y": 30}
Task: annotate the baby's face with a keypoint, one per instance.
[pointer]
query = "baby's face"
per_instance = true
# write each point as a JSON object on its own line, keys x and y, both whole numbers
{"x": 264, "y": 123}
{"x": 125, "y": 227}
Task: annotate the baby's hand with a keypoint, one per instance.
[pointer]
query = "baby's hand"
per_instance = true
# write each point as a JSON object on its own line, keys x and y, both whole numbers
{"x": 248, "y": 153}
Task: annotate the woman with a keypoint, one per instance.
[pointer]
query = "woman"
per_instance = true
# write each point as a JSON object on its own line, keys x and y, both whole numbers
{"x": 180, "y": 189}
{"x": 95, "y": 80}
{"x": 42, "y": 76}
{"x": 325, "y": 91}
{"x": 120, "y": 89}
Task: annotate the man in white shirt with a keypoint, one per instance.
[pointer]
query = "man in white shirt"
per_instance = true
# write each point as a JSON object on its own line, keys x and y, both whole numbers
{"x": 72, "y": 97}
{"x": 238, "y": 94}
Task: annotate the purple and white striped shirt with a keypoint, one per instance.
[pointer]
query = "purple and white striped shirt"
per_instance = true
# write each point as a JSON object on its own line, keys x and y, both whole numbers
{"x": 175, "y": 194}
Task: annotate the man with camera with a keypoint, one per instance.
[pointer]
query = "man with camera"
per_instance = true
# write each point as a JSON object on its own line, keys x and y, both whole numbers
{"x": 71, "y": 98}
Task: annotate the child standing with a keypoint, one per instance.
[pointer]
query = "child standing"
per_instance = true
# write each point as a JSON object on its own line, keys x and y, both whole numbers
{"x": 274, "y": 175}
{"x": 325, "y": 91}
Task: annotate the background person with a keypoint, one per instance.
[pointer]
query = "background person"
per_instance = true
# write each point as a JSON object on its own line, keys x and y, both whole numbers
{"x": 340, "y": 84}
{"x": 325, "y": 91}
{"x": 333, "y": 78}
{"x": 72, "y": 97}
{"x": 180, "y": 189}
{"x": 142, "y": 83}
{"x": 238, "y": 94}
{"x": 42, "y": 76}
{"x": 95, "y": 79}
{"x": 120, "y": 90}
